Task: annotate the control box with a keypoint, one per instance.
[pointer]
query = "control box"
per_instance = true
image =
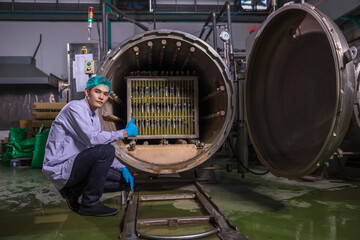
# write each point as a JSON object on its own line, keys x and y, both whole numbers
{"x": 89, "y": 67}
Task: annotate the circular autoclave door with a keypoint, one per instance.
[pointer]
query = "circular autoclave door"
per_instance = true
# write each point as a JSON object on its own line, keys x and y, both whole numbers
{"x": 299, "y": 90}
{"x": 181, "y": 94}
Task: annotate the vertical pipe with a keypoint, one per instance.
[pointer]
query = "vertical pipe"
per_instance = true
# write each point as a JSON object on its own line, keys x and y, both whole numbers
{"x": 226, "y": 49}
{"x": 226, "y": 57}
{"x": 230, "y": 31}
{"x": 154, "y": 11}
{"x": 103, "y": 28}
{"x": 204, "y": 27}
{"x": 274, "y": 4}
{"x": 108, "y": 31}
{"x": 108, "y": 35}
{"x": 105, "y": 39}
{"x": 37, "y": 48}
{"x": 214, "y": 29}
{"x": 241, "y": 131}
{"x": 241, "y": 145}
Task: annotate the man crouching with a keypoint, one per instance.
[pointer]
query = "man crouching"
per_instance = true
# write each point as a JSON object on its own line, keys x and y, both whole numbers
{"x": 79, "y": 158}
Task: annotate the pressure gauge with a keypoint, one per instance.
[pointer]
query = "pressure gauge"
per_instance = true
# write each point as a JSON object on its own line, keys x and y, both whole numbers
{"x": 225, "y": 36}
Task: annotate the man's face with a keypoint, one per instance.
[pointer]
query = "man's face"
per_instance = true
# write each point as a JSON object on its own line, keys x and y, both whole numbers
{"x": 97, "y": 96}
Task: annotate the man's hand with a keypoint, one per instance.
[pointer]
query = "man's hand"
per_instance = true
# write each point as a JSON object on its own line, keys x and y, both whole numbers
{"x": 131, "y": 129}
{"x": 127, "y": 176}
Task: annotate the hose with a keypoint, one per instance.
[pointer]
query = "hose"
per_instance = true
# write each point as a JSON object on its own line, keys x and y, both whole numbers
{"x": 238, "y": 158}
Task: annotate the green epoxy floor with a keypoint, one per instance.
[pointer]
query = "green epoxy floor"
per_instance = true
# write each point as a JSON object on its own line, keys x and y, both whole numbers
{"x": 260, "y": 207}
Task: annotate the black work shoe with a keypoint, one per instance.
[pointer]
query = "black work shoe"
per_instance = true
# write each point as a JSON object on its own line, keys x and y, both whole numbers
{"x": 98, "y": 210}
{"x": 71, "y": 199}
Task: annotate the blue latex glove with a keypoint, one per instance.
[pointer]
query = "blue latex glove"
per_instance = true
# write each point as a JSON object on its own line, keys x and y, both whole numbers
{"x": 127, "y": 176}
{"x": 131, "y": 128}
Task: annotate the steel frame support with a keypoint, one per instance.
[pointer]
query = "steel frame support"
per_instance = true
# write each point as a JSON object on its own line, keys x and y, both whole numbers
{"x": 222, "y": 227}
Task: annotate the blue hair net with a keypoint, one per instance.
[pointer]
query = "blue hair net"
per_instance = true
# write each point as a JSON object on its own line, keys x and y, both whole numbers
{"x": 98, "y": 80}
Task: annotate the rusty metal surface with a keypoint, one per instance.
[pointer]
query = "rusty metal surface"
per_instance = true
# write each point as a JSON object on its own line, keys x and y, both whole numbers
{"x": 173, "y": 221}
{"x": 227, "y": 231}
{"x": 129, "y": 230}
{"x": 16, "y": 102}
{"x": 174, "y": 196}
{"x": 169, "y": 54}
{"x": 223, "y": 228}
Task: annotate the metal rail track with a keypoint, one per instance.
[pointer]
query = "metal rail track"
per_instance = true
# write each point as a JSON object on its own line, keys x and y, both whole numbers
{"x": 222, "y": 227}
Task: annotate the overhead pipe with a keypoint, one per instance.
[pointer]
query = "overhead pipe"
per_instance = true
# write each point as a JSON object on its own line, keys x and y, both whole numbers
{"x": 107, "y": 28}
{"x": 217, "y": 19}
{"x": 154, "y": 12}
{"x": 213, "y": 29}
{"x": 205, "y": 25}
{"x": 122, "y": 15}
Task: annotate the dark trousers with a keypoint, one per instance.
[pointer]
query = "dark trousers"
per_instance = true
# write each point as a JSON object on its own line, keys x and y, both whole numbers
{"x": 91, "y": 174}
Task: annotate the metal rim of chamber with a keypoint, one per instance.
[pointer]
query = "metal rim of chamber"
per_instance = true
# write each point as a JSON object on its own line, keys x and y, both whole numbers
{"x": 220, "y": 132}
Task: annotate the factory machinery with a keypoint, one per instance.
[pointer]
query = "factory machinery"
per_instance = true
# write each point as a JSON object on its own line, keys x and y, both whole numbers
{"x": 302, "y": 92}
{"x": 301, "y": 95}
{"x": 181, "y": 94}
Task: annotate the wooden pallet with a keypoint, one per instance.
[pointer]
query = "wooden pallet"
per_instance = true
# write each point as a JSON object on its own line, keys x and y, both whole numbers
{"x": 44, "y": 113}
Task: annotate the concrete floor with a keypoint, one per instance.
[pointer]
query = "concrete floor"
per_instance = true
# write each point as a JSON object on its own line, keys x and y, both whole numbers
{"x": 261, "y": 208}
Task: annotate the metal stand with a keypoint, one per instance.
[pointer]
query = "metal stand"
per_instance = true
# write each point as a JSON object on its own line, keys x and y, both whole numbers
{"x": 229, "y": 58}
{"x": 222, "y": 227}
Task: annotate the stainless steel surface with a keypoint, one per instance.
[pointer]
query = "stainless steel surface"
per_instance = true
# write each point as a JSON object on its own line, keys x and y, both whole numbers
{"x": 351, "y": 141}
{"x": 213, "y": 13}
{"x": 205, "y": 64}
{"x": 23, "y": 70}
{"x": 74, "y": 49}
{"x": 299, "y": 94}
